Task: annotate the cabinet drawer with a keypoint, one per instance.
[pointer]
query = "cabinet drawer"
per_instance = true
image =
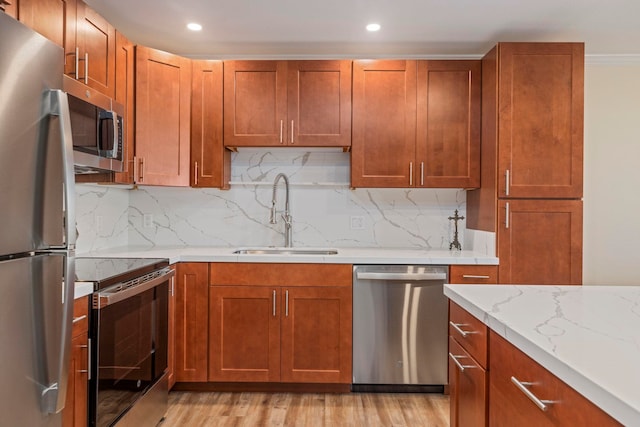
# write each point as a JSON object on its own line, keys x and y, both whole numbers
{"x": 510, "y": 406}
{"x": 468, "y": 388}
{"x": 469, "y": 332}
{"x": 80, "y": 316}
{"x": 280, "y": 274}
{"x": 473, "y": 274}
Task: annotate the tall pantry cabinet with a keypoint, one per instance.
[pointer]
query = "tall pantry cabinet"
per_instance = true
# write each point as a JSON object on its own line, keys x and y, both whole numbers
{"x": 532, "y": 161}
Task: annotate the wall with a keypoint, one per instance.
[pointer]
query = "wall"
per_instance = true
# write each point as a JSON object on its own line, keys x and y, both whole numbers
{"x": 612, "y": 173}
{"x": 408, "y": 218}
{"x": 325, "y": 211}
{"x": 102, "y": 217}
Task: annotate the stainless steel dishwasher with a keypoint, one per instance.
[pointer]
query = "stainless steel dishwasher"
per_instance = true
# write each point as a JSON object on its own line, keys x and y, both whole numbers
{"x": 399, "y": 328}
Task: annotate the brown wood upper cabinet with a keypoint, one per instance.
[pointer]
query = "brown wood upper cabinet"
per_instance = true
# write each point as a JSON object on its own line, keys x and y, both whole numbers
{"x": 163, "y": 97}
{"x": 384, "y": 123}
{"x": 448, "y": 125}
{"x": 210, "y": 161}
{"x": 89, "y": 41}
{"x": 124, "y": 94}
{"x": 287, "y": 103}
{"x": 540, "y": 98}
{"x": 416, "y": 124}
{"x": 95, "y": 51}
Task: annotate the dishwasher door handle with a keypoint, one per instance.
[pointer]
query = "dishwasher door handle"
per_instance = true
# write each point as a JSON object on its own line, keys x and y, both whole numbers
{"x": 412, "y": 277}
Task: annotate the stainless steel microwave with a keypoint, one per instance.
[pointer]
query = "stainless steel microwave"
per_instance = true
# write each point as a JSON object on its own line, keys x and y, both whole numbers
{"x": 97, "y": 129}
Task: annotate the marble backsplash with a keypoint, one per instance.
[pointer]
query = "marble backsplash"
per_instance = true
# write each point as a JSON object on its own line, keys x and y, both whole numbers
{"x": 326, "y": 212}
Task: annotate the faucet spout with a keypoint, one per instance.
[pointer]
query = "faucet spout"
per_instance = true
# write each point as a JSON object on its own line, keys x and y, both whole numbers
{"x": 286, "y": 216}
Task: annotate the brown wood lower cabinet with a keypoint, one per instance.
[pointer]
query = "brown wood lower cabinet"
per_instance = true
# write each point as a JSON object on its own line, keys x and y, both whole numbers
{"x": 468, "y": 365}
{"x": 288, "y": 323}
{"x": 482, "y": 369}
{"x": 245, "y": 334}
{"x": 191, "y": 320}
{"x": 468, "y": 383}
{"x": 473, "y": 274}
{"x": 509, "y": 406}
{"x": 74, "y": 413}
{"x": 171, "y": 333}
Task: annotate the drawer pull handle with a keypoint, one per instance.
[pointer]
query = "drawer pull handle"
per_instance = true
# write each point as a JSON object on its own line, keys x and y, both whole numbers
{"x": 464, "y": 333}
{"x": 475, "y": 276}
{"x": 79, "y": 319}
{"x": 460, "y": 365}
{"x": 522, "y": 386}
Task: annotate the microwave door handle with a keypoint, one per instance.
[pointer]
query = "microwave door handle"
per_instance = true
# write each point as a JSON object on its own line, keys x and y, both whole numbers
{"x": 114, "y": 121}
{"x": 102, "y": 148}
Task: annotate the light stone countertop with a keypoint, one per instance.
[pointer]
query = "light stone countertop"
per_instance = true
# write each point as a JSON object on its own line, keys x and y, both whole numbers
{"x": 344, "y": 256}
{"x": 588, "y": 336}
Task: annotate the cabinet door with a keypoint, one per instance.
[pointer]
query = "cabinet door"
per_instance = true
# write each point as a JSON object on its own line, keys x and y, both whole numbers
{"x": 468, "y": 384}
{"x": 191, "y": 312}
{"x": 210, "y": 161}
{"x": 171, "y": 333}
{"x": 74, "y": 413}
{"x": 56, "y": 20}
{"x": 540, "y": 116}
{"x": 244, "y": 333}
{"x": 96, "y": 40}
{"x": 509, "y": 406}
{"x": 319, "y": 99}
{"x": 124, "y": 94}
{"x": 163, "y": 97}
{"x": 540, "y": 242}
{"x": 384, "y": 124}
{"x": 448, "y": 124}
{"x": 255, "y": 103}
{"x": 316, "y": 334}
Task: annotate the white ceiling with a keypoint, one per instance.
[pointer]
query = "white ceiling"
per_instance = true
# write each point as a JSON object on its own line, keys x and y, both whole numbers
{"x": 335, "y": 28}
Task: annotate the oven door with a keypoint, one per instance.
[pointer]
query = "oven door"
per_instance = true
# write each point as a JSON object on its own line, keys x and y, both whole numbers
{"x": 130, "y": 332}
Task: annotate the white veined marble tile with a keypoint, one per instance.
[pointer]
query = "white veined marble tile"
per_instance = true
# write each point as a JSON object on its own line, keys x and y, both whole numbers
{"x": 322, "y": 205}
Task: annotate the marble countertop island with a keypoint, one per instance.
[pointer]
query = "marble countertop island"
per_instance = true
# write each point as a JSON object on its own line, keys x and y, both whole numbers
{"x": 588, "y": 336}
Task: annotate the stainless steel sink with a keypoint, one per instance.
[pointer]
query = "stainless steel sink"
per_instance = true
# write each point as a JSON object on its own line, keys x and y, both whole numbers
{"x": 285, "y": 251}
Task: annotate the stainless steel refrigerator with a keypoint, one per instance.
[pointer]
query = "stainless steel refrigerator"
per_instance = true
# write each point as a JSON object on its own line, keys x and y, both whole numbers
{"x": 37, "y": 228}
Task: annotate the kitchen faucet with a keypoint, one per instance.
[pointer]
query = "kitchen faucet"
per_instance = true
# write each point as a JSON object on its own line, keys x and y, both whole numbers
{"x": 286, "y": 216}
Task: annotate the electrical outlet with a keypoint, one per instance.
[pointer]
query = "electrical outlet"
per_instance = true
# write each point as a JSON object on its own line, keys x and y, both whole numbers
{"x": 147, "y": 220}
{"x": 357, "y": 222}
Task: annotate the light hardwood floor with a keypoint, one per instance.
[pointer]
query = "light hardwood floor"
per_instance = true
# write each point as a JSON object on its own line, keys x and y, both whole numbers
{"x": 306, "y": 409}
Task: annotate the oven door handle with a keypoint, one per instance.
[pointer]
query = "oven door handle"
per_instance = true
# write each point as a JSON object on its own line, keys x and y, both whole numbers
{"x": 105, "y": 298}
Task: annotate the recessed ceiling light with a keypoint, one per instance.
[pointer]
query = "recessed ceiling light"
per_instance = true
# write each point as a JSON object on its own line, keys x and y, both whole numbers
{"x": 194, "y": 27}
{"x": 373, "y": 27}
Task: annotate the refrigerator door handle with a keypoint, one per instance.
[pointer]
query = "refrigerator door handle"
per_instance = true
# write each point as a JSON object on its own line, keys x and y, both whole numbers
{"x": 59, "y": 106}
{"x": 55, "y": 358}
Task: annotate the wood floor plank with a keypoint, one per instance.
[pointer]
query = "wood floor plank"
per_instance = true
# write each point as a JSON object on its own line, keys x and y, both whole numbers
{"x": 200, "y": 409}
